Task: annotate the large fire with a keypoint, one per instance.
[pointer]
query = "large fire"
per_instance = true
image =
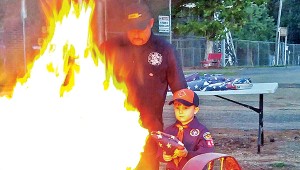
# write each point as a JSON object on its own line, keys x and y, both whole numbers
{"x": 60, "y": 116}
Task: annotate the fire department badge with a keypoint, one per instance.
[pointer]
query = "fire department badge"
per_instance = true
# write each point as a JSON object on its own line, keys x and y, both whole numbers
{"x": 194, "y": 132}
{"x": 155, "y": 58}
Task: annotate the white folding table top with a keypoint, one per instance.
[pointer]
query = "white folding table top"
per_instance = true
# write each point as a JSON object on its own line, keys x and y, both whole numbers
{"x": 257, "y": 88}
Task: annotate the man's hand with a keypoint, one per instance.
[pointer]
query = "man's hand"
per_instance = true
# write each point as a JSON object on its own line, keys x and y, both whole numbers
{"x": 180, "y": 153}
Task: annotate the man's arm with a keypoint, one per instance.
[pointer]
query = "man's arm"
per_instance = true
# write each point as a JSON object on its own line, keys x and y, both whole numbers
{"x": 175, "y": 76}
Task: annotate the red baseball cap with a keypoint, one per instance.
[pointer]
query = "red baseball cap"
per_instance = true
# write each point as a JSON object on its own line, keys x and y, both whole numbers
{"x": 186, "y": 96}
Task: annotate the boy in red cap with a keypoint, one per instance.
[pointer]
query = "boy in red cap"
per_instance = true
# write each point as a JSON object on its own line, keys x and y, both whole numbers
{"x": 195, "y": 136}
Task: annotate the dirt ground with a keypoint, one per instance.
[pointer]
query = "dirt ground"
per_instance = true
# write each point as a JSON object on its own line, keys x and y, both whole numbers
{"x": 281, "y": 149}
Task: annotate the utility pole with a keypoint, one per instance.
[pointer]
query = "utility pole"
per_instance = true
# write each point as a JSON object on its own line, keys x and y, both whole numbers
{"x": 24, "y": 16}
{"x": 170, "y": 20}
{"x": 277, "y": 41}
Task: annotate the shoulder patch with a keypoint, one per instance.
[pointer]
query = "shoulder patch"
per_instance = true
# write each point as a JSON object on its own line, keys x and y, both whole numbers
{"x": 210, "y": 143}
{"x": 207, "y": 136}
{"x": 208, "y": 139}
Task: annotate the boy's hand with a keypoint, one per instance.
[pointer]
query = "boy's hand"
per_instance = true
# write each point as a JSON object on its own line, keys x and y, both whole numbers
{"x": 177, "y": 153}
{"x": 180, "y": 153}
{"x": 167, "y": 157}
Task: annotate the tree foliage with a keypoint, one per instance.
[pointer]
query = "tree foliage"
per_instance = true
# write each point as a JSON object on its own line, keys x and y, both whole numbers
{"x": 211, "y": 18}
{"x": 259, "y": 25}
{"x": 290, "y": 17}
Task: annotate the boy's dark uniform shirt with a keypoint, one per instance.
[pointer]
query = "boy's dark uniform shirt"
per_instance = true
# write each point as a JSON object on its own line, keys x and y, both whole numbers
{"x": 196, "y": 138}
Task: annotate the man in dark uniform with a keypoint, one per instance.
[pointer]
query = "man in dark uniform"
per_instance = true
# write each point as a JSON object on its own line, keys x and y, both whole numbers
{"x": 148, "y": 65}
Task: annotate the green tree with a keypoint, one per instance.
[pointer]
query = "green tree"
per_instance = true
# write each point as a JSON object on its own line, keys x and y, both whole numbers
{"x": 290, "y": 17}
{"x": 259, "y": 25}
{"x": 210, "y": 19}
{"x": 291, "y": 20}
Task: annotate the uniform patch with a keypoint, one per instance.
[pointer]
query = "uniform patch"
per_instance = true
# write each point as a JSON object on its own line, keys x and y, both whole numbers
{"x": 194, "y": 132}
{"x": 208, "y": 139}
{"x": 210, "y": 143}
{"x": 155, "y": 59}
{"x": 207, "y": 136}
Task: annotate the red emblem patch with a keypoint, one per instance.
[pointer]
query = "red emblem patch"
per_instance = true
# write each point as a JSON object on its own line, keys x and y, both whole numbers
{"x": 210, "y": 143}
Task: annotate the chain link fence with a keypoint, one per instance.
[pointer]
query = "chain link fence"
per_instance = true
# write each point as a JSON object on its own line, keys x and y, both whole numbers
{"x": 191, "y": 50}
{"x": 248, "y": 53}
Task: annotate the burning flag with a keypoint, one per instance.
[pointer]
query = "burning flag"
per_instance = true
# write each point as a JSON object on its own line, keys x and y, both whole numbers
{"x": 59, "y": 115}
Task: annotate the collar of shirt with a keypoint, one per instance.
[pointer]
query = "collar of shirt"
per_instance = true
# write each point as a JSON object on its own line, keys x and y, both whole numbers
{"x": 192, "y": 124}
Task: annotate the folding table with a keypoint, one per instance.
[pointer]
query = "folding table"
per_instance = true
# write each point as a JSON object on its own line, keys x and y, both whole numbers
{"x": 257, "y": 88}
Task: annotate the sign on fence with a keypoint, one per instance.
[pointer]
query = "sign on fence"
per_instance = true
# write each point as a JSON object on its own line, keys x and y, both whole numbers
{"x": 163, "y": 23}
{"x": 283, "y": 31}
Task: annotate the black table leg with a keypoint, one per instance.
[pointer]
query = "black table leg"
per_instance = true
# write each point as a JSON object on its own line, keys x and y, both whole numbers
{"x": 260, "y": 140}
{"x": 260, "y": 111}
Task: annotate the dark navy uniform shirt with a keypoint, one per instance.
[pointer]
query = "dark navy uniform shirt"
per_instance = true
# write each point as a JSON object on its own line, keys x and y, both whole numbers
{"x": 196, "y": 139}
{"x": 147, "y": 70}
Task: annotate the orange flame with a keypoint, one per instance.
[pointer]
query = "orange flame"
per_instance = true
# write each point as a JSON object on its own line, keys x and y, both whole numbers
{"x": 59, "y": 115}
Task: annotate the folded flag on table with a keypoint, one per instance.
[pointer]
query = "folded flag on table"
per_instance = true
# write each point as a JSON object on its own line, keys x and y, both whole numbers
{"x": 192, "y": 77}
{"x": 216, "y": 82}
